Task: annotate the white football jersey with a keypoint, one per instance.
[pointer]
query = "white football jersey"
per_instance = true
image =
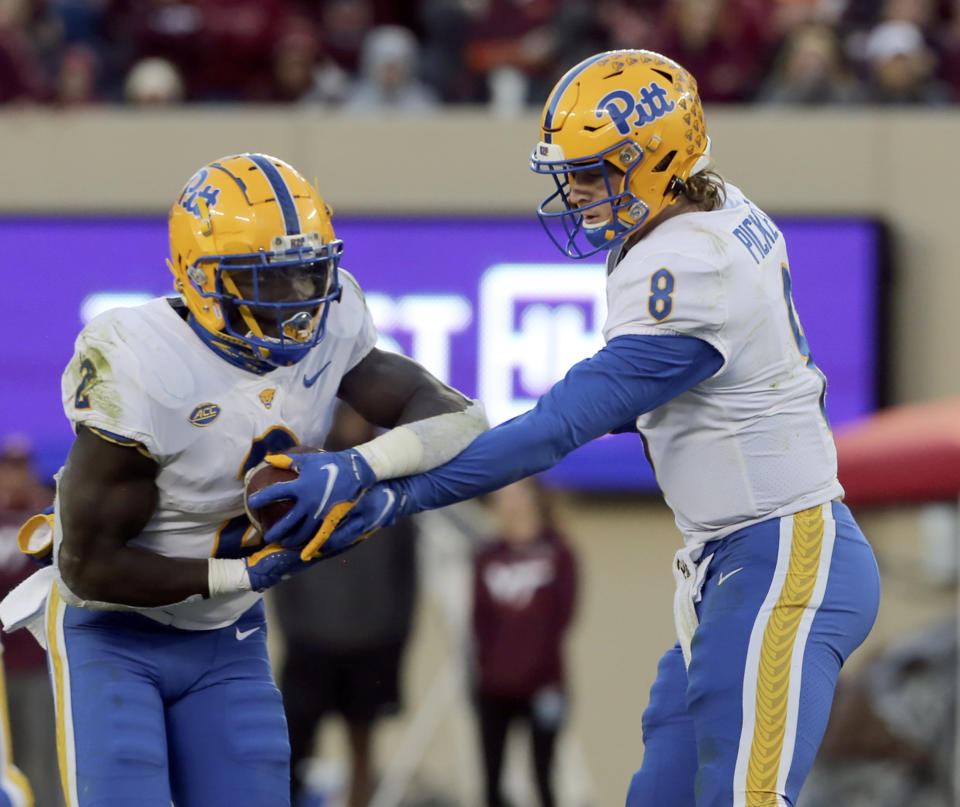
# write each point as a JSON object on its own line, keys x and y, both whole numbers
{"x": 752, "y": 441}
{"x": 142, "y": 373}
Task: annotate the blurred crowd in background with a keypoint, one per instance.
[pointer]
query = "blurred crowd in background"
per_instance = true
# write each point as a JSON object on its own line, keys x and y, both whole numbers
{"x": 411, "y": 55}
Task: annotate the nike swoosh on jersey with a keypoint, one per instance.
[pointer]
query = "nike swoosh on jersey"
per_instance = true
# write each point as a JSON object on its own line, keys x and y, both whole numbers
{"x": 332, "y": 473}
{"x": 724, "y": 575}
{"x": 309, "y": 381}
{"x": 243, "y": 634}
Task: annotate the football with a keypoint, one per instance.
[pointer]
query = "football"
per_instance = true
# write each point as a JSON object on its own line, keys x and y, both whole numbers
{"x": 263, "y": 475}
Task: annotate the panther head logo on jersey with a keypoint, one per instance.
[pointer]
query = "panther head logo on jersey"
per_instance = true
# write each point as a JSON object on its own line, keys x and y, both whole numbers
{"x": 634, "y": 110}
{"x": 266, "y": 397}
{"x": 255, "y": 258}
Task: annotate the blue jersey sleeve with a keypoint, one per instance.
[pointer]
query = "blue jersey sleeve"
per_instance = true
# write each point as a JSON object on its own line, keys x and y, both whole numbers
{"x": 631, "y": 375}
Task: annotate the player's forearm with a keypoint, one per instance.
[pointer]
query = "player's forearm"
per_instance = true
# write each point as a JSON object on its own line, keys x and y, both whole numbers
{"x": 523, "y": 446}
{"x": 423, "y": 444}
{"x": 429, "y": 399}
{"x": 132, "y": 576}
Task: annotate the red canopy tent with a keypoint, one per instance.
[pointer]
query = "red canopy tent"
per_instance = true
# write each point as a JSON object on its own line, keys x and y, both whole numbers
{"x": 903, "y": 454}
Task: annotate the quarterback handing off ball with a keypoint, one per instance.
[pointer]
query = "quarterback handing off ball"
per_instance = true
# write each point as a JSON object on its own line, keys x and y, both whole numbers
{"x": 263, "y": 475}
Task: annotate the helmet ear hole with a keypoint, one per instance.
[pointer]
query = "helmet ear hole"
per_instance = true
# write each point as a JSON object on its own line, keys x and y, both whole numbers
{"x": 664, "y": 163}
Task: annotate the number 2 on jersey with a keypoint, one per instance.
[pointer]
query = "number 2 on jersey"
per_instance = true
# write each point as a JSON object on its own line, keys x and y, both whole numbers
{"x": 800, "y": 338}
{"x": 660, "y": 302}
{"x": 87, "y": 375}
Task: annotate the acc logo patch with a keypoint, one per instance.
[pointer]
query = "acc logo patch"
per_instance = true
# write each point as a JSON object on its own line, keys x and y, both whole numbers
{"x": 649, "y": 104}
{"x": 204, "y": 414}
{"x": 266, "y": 397}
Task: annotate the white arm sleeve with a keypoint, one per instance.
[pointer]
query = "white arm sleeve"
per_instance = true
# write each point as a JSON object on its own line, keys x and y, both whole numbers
{"x": 424, "y": 444}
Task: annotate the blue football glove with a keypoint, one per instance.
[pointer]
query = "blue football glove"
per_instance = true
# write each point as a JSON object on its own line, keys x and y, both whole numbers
{"x": 325, "y": 480}
{"x": 349, "y": 523}
{"x": 273, "y": 563}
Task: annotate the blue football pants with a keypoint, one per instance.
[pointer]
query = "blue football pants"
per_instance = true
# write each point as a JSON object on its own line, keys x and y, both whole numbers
{"x": 149, "y": 714}
{"x": 784, "y": 603}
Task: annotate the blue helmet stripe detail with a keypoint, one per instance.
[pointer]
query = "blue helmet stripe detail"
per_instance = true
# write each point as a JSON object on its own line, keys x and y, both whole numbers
{"x": 291, "y": 219}
{"x": 565, "y": 82}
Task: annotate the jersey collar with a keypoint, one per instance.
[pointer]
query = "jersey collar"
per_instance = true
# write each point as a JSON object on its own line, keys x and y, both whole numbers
{"x": 238, "y": 355}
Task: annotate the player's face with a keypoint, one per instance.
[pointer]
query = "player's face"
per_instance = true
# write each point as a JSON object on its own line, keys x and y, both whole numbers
{"x": 286, "y": 284}
{"x": 590, "y": 185}
{"x": 282, "y": 285}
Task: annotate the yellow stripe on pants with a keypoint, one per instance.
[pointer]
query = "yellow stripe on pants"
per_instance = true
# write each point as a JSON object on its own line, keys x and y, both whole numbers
{"x": 776, "y": 656}
{"x": 55, "y": 609}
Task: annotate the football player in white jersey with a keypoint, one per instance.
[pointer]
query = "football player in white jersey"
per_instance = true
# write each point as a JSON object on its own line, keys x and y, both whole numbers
{"x": 706, "y": 358}
{"x": 154, "y": 620}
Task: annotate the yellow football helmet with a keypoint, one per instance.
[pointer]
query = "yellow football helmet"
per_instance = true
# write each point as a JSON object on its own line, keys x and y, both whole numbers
{"x": 634, "y": 110}
{"x": 255, "y": 258}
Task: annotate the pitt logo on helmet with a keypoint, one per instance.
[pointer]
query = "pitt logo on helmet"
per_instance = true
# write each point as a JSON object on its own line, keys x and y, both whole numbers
{"x": 653, "y": 103}
{"x": 188, "y": 199}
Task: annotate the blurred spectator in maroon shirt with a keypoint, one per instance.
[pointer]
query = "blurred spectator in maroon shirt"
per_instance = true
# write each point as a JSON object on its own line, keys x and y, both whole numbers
{"x": 811, "y": 69}
{"x": 78, "y": 76}
{"x": 445, "y": 26}
{"x": 295, "y": 56}
{"x": 726, "y": 44}
{"x": 512, "y": 48}
{"x": 524, "y": 595}
{"x": 167, "y": 29}
{"x": 789, "y": 15}
{"x": 20, "y": 489}
{"x": 22, "y": 76}
{"x": 237, "y": 47}
{"x": 344, "y": 25}
{"x": 951, "y": 55}
{"x": 630, "y": 24}
{"x": 901, "y": 66}
{"x": 222, "y": 48}
{"x": 30, "y": 702}
{"x": 302, "y": 71}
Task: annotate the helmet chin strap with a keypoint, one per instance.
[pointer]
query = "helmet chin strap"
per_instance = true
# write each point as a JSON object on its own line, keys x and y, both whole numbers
{"x": 603, "y": 234}
{"x": 609, "y": 233}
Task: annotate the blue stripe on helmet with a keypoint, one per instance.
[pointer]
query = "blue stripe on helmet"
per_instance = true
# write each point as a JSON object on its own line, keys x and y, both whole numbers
{"x": 561, "y": 88}
{"x": 291, "y": 219}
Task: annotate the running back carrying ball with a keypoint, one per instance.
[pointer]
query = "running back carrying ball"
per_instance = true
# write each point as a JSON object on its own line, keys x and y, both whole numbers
{"x": 263, "y": 475}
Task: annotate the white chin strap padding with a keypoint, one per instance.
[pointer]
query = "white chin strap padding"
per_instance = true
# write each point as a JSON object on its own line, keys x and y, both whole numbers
{"x": 703, "y": 162}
